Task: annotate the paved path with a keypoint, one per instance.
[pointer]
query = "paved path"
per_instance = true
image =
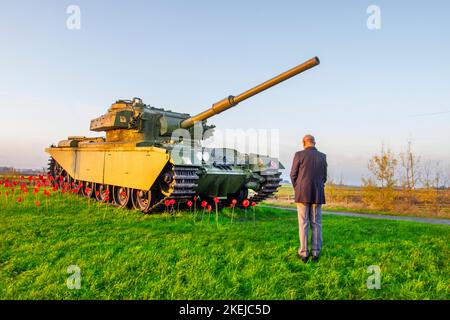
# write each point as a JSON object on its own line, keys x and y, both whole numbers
{"x": 373, "y": 216}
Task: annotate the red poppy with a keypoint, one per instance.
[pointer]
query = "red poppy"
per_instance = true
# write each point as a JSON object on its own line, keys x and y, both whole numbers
{"x": 97, "y": 193}
{"x": 233, "y": 202}
{"x": 55, "y": 189}
{"x": 22, "y": 177}
{"x": 19, "y": 199}
{"x": 204, "y": 204}
{"x": 216, "y": 200}
{"x": 107, "y": 198}
{"x": 107, "y": 192}
{"x": 195, "y": 198}
{"x": 38, "y": 203}
{"x": 30, "y": 178}
{"x": 189, "y": 203}
{"x": 41, "y": 177}
{"x": 245, "y": 203}
{"x": 123, "y": 194}
{"x": 167, "y": 202}
{"x": 172, "y": 201}
{"x": 47, "y": 193}
{"x": 209, "y": 208}
{"x": 253, "y": 203}
{"x": 7, "y": 193}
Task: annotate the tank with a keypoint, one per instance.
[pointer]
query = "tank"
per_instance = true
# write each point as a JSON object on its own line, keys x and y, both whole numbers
{"x": 151, "y": 157}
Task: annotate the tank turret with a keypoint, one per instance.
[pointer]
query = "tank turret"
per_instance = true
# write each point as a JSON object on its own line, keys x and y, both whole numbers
{"x": 132, "y": 120}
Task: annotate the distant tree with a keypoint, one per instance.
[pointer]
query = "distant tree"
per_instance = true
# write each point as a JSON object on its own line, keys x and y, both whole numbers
{"x": 410, "y": 164}
{"x": 341, "y": 179}
{"x": 437, "y": 176}
{"x": 446, "y": 179}
{"x": 379, "y": 187}
{"x": 382, "y": 166}
{"x": 427, "y": 174}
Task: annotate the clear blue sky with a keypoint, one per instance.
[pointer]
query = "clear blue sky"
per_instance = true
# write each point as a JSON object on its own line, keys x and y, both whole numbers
{"x": 371, "y": 87}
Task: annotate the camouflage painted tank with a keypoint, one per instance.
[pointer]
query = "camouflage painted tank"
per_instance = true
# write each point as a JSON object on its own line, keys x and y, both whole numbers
{"x": 150, "y": 155}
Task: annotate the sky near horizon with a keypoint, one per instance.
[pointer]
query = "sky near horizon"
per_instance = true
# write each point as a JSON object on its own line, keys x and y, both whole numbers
{"x": 373, "y": 86}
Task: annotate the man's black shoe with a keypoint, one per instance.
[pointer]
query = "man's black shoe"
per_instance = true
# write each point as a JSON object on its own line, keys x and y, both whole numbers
{"x": 315, "y": 258}
{"x": 304, "y": 259}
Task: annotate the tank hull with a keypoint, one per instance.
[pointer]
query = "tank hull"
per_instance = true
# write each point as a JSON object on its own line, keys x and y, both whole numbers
{"x": 134, "y": 169}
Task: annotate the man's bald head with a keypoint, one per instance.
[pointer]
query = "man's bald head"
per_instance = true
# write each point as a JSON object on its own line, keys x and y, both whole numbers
{"x": 308, "y": 141}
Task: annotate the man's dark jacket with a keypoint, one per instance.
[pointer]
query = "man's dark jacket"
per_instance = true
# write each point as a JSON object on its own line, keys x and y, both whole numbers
{"x": 308, "y": 176}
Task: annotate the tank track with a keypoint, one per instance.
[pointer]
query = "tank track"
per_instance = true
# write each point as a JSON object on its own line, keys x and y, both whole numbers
{"x": 269, "y": 187}
{"x": 51, "y": 167}
{"x": 186, "y": 178}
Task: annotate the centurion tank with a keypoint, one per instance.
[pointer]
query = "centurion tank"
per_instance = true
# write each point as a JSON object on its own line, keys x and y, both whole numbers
{"x": 151, "y": 155}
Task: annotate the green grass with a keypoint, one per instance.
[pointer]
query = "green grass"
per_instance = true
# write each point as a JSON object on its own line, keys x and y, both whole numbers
{"x": 126, "y": 255}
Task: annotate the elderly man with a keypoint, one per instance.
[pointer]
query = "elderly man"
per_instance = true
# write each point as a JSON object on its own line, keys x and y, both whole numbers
{"x": 308, "y": 176}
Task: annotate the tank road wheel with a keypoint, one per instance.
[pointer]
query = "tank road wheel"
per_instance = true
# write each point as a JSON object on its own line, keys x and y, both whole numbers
{"x": 121, "y": 196}
{"x": 141, "y": 200}
{"x": 166, "y": 180}
{"x": 101, "y": 192}
{"x": 59, "y": 175}
{"x": 51, "y": 171}
{"x": 88, "y": 189}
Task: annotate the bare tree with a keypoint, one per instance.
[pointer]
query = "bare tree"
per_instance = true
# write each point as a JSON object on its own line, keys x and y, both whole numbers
{"x": 341, "y": 179}
{"x": 427, "y": 174}
{"x": 437, "y": 176}
{"x": 410, "y": 168}
{"x": 446, "y": 178}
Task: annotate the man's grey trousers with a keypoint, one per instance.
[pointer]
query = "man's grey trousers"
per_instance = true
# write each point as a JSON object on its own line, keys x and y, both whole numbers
{"x": 309, "y": 214}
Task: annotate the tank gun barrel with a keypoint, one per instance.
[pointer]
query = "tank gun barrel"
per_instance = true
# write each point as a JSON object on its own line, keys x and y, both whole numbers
{"x": 231, "y": 101}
